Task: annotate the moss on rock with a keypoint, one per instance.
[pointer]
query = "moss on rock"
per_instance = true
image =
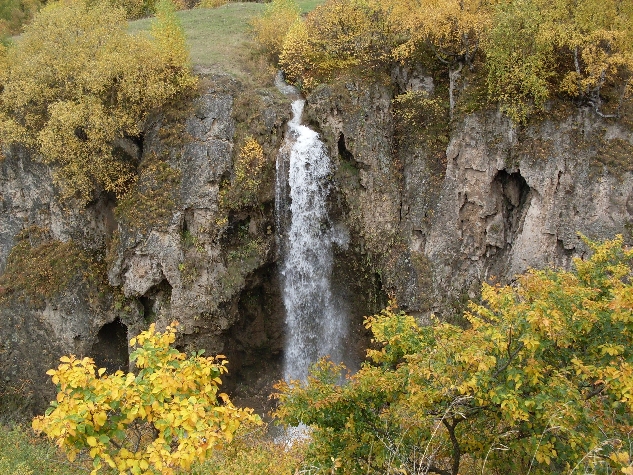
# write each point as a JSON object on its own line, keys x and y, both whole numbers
{"x": 40, "y": 267}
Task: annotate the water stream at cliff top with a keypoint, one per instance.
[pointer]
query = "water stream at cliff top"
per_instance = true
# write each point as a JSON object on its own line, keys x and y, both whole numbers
{"x": 314, "y": 326}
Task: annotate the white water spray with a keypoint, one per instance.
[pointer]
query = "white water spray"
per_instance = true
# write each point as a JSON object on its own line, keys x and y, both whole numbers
{"x": 314, "y": 327}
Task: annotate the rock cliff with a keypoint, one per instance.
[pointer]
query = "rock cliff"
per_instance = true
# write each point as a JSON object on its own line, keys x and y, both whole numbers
{"x": 431, "y": 212}
{"x": 439, "y": 219}
{"x": 170, "y": 249}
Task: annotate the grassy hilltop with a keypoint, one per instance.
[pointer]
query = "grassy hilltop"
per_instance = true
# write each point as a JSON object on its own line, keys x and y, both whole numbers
{"x": 220, "y": 39}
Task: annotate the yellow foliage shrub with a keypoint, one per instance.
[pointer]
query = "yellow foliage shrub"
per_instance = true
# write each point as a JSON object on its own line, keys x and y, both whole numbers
{"x": 271, "y": 28}
{"x": 248, "y": 169}
{"x": 338, "y": 35}
{"x": 253, "y": 452}
{"x": 77, "y": 81}
{"x": 531, "y": 49}
{"x": 162, "y": 419}
{"x": 135, "y": 8}
{"x": 537, "y": 48}
{"x": 297, "y": 58}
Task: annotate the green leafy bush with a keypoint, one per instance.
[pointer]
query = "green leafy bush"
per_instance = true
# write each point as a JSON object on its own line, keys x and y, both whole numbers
{"x": 541, "y": 382}
{"x": 167, "y": 416}
{"x": 254, "y": 452}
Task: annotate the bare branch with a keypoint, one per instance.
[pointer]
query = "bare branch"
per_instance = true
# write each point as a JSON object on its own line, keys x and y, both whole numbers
{"x": 511, "y": 357}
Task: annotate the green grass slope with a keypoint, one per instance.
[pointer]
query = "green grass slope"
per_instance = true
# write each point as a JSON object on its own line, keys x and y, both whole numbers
{"x": 220, "y": 39}
{"x": 21, "y": 453}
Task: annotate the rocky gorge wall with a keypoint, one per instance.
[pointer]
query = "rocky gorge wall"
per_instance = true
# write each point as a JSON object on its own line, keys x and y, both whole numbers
{"x": 430, "y": 213}
{"x": 491, "y": 202}
{"x": 172, "y": 249}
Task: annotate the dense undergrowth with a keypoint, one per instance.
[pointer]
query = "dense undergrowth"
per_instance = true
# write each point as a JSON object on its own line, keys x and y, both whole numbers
{"x": 539, "y": 381}
{"x": 39, "y": 268}
{"x": 252, "y": 452}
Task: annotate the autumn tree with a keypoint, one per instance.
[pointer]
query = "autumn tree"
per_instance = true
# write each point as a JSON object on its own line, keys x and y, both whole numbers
{"x": 77, "y": 82}
{"x": 532, "y": 50}
{"x": 338, "y": 36}
{"x": 452, "y": 30}
{"x": 537, "y": 48}
{"x": 600, "y": 40}
{"x": 272, "y": 27}
{"x": 136, "y": 8}
{"x": 540, "y": 382}
{"x": 163, "y": 418}
{"x": 520, "y": 59}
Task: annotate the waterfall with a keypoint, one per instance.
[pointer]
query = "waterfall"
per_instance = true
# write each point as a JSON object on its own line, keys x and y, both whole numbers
{"x": 314, "y": 326}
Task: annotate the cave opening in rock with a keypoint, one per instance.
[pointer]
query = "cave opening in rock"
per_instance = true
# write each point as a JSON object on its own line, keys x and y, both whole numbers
{"x": 111, "y": 348}
{"x": 157, "y": 297}
{"x": 514, "y": 189}
{"x": 513, "y": 192}
{"x": 147, "y": 304}
{"x": 342, "y": 149}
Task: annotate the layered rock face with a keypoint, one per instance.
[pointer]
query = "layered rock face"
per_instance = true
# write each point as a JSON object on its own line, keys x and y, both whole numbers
{"x": 168, "y": 251}
{"x": 495, "y": 202}
{"x": 430, "y": 215}
{"x": 516, "y": 201}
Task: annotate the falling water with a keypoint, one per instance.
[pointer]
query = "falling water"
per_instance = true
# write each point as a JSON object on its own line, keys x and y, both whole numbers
{"x": 314, "y": 327}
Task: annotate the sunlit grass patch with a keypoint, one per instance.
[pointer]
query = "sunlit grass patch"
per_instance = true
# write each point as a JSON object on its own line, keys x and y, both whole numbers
{"x": 22, "y": 453}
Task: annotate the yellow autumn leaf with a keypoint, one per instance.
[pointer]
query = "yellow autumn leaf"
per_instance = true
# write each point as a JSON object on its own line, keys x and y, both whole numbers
{"x": 100, "y": 418}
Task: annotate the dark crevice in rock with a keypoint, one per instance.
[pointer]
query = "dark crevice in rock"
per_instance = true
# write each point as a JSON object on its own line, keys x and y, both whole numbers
{"x": 81, "y": 134}
{"x": 188, "y": 218}
{"x": 564, "y": 252}
{"x": 139, "y": 141}
{"x": 147, "y": 305}
{"x": 342, "y": 149}
{"x": 515, "y": 188}
{"x": 236, "y": 233}
{"x": 111, "y": 350}
{"x": 155, "y": 299}
{"x": 254, "y": 343}
{"x": 514, "y": 193}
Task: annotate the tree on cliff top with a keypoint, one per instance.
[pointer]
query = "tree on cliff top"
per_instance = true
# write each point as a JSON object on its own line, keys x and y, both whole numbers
{"x": 76, "y": 81}
{"x": 537, "y": 48}
{"x": 531, "y": 49}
